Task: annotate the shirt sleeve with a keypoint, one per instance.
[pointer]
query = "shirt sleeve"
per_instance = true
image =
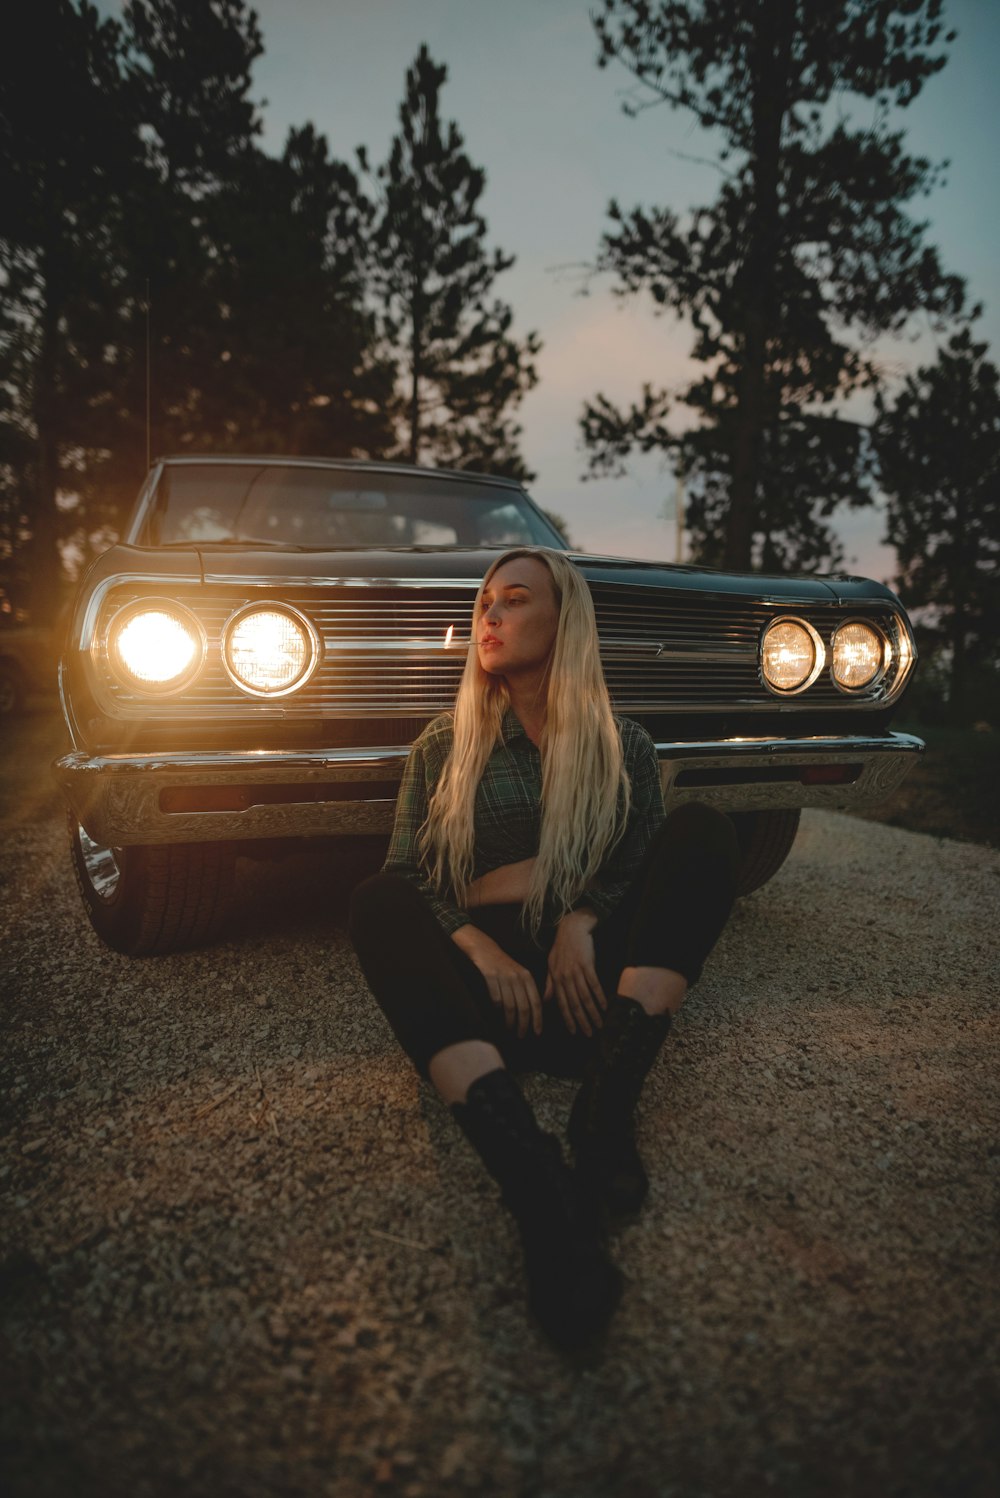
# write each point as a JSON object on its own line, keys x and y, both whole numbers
{"x": 416, "y": 788}
{"x": 646, "y": 813}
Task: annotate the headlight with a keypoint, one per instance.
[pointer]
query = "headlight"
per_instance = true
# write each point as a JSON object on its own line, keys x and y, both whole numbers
{"x": 792, "y": 655}
{"x": 859, "y": 653}
{"x": 155, "y": 645}
{"x": 270, "y": 650}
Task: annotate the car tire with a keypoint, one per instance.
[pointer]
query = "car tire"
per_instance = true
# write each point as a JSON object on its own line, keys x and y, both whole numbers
{"x": 146, "y": 901}
{"x": 12, "y": 693}
{"x": 765, "y": 839}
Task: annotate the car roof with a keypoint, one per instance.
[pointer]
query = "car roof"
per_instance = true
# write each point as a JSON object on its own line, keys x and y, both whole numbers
{"x": 365, "y": 465}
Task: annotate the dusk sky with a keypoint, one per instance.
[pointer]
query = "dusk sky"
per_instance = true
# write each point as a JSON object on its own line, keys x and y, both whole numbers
{"x": 548, "y": 128}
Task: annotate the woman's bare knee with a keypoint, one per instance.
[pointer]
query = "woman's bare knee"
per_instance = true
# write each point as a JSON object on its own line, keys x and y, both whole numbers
{"x": 454, "y": 1068}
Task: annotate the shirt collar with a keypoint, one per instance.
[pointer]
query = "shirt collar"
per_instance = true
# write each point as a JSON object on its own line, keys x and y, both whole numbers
{"x": 511, "y": 727}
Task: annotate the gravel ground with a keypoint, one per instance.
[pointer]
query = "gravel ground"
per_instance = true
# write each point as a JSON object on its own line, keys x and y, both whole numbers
{"x": 244, "y": 1251}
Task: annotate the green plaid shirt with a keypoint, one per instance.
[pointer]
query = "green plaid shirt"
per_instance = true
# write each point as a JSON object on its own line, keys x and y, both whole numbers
{"x": 507, "y": 811}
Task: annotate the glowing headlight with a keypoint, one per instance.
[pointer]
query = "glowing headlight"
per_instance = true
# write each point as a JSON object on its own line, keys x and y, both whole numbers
{"x": 155, "y": 645}
{"x": 858, "y": 654}
{"x": 269, "y": 650}
{"x": 792, "y": 655}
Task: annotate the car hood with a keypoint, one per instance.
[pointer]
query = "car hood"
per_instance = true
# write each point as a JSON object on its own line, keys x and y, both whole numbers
{"x": 231, "y": 564}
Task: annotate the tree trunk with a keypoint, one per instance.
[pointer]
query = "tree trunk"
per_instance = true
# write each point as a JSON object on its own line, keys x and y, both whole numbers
{"x": 46, "y": 567}
{"x": 769, "y": 64}
{"x": 960, "y": 582}
{"x": 46, "y": 564}
{"x": 958, "y": 686}
{"x": 738, "y": 548}
{"x": 416, "y": 360}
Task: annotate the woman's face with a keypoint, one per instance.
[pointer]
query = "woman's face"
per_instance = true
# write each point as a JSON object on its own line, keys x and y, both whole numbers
{"x": 518, "y": 618}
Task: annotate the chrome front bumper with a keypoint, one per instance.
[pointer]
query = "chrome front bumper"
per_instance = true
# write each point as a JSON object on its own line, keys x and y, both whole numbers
{"x": 125, "y": 799}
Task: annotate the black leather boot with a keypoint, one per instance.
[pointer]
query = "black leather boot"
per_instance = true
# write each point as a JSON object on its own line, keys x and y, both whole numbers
{"x": 573, "y": 1285}
{"x": 601, "y": 1127}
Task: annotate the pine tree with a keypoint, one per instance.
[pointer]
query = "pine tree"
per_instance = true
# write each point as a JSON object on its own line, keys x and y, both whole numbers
{"x": 806, "y": 256}
{"x": 65, "y": 150}
{"x": 190, "y": 73}
{"x": 938, "y": 448}
{"x": 465, "y": 372}
{"x": 296, "y": 367}
{"x": 142, "y": 215}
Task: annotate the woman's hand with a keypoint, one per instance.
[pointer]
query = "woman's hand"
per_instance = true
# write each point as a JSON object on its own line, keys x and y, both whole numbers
{"x": 573, "y": 979}
{"x": 509, "y": 984}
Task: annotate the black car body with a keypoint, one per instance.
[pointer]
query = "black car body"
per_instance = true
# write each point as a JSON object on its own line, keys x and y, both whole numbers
{"x": 252, "y": 662}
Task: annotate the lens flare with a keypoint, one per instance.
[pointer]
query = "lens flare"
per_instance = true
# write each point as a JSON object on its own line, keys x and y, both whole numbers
{"x": 154, "y": 648}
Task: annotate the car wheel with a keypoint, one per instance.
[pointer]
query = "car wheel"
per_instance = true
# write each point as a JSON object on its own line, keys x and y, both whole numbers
{"x": 765, "y": 839}
{"x": 150, "y": 900}
{"x": 12, "y": 692}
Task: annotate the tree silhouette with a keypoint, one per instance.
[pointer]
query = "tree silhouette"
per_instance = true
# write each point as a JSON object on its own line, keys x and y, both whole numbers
{"x": 805, "y": 257}
{"x": 65, "y": 150}
{"x": 938, "y": 448}
{"x": 189, "y": 72}
{"x": 142, "y": 216}
{"x": 260, "y": 340}
{"x": 432, "y": 278}
{"x": 295, "y": 366}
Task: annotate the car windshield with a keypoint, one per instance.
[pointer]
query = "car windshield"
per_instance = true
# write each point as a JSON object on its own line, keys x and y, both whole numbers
{"x": 331, "y": 508}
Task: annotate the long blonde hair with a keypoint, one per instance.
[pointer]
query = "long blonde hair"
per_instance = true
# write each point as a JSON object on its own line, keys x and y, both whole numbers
{"x": 585, "y": 788}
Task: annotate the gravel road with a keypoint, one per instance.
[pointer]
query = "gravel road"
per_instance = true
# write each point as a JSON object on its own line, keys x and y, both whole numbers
{"x": 245, "y": 1252}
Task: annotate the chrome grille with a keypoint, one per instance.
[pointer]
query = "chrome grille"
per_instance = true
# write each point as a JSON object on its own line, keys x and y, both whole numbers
{"x": 385, "y": 653}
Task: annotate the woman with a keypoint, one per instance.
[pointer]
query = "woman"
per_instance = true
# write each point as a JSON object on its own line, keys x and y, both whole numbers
{"x": 537, "y": 912}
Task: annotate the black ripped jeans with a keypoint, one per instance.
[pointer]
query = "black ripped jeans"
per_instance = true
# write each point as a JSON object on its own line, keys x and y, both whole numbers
{"x": 433, "y": 995}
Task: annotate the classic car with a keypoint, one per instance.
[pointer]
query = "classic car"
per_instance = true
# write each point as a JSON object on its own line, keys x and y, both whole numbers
{"x": 251, "y": 664}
